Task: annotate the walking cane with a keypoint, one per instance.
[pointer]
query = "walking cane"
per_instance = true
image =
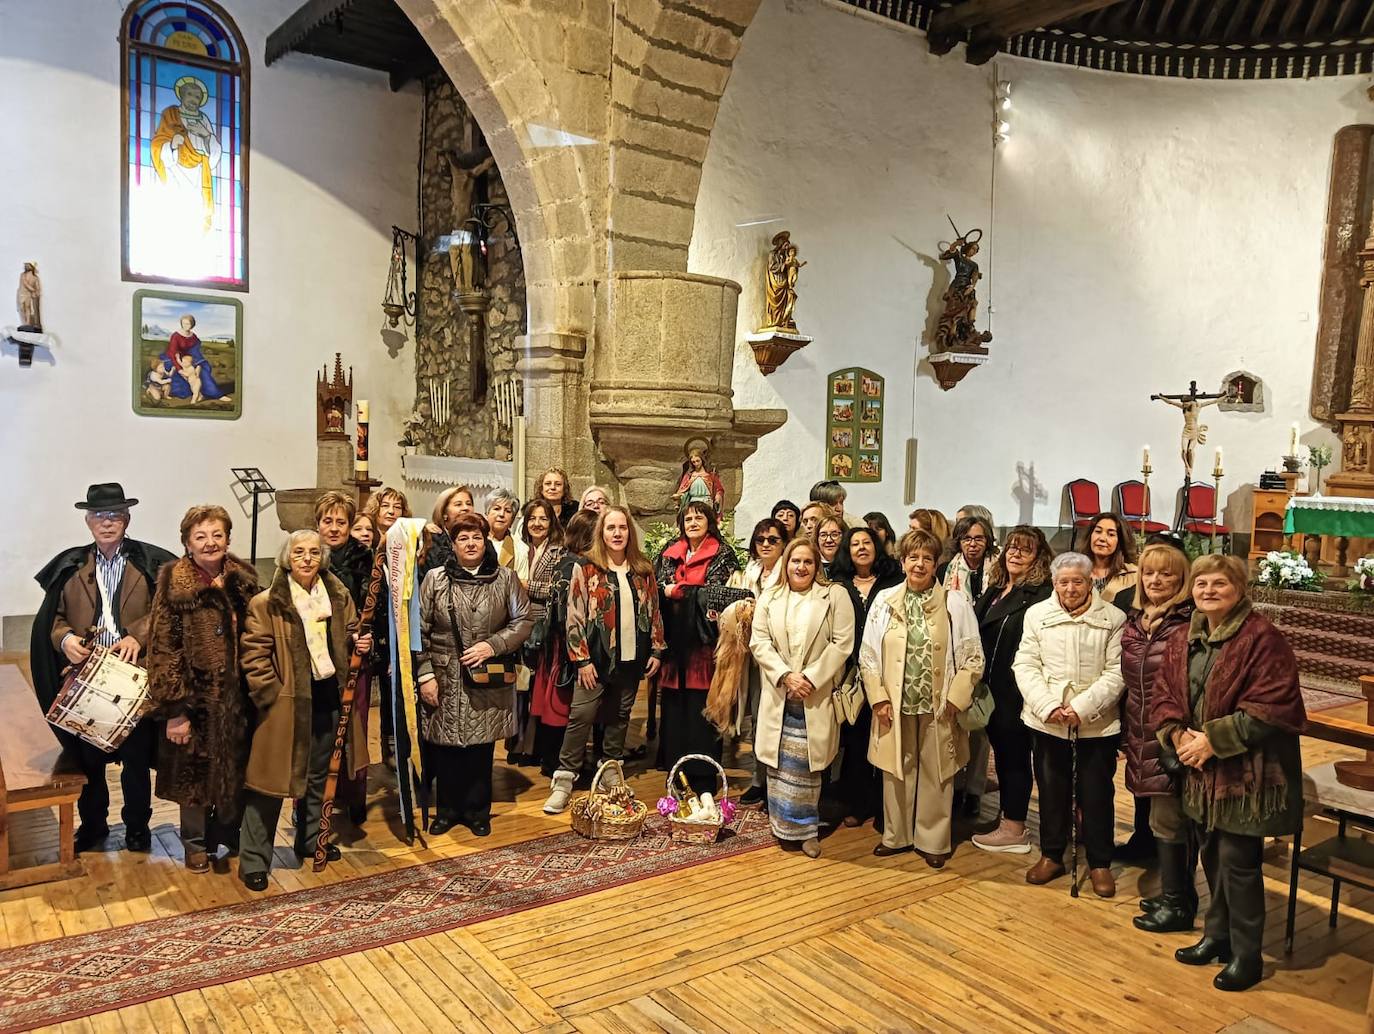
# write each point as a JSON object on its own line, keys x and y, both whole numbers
{"x": 1073, "y": 810}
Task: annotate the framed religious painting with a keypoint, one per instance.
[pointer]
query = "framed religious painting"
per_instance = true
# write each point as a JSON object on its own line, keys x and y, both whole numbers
{"x": 854, "y": 426}
{"x": 188, "y": 355}
{"x": 184, "y": 145}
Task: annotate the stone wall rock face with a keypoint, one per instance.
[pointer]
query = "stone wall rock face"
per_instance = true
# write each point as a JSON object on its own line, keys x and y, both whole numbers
{"x": 443, "y": 328}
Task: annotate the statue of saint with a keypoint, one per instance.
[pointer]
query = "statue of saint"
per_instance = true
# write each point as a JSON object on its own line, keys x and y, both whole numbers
{"x": 465, "y": 168}
{"x": 783, "y": 268}
{"x": 699, "y": 482}
{"x": 1194, "y": 433}
{"x": 186, "y": 149}
{"x": 956, "y": 331}
{"x": 28, "y": 299}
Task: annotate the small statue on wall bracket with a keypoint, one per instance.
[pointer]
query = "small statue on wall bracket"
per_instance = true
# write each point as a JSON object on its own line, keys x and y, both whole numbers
{"x": 778, "y": 338}
{"x": 959, "y": 345}
{"x": 29, "y": 301}
{"x": 700, "y": 482}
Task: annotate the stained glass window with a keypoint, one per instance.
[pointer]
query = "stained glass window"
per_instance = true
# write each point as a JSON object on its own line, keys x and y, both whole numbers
{"x": 186, "y": 145}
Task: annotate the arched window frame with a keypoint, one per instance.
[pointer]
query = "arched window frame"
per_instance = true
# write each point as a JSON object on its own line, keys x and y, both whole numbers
{"x": 237, "y": 65}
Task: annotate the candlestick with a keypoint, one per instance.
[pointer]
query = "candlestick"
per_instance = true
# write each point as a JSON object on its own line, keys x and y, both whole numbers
{"x": 360, "y": 455}
{"x": 1145, "y": 461}
{"x": 1216, "y": 467}
{"x": 1293, "y": 439}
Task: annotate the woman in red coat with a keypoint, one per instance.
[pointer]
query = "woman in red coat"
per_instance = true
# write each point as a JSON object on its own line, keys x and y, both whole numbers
{"x": 1161, "y": 612}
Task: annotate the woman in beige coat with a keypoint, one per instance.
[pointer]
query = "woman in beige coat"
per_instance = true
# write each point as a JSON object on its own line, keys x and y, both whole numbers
{"x": 295, "y": 656}
{"x": 802, "y": 638}
{"x": 921, "y": 659}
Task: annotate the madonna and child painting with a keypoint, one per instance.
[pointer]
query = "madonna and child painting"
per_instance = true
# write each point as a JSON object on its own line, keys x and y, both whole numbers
{"x": 187, "y": 355}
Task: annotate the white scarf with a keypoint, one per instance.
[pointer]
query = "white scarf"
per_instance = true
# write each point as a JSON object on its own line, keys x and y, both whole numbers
{"x": 315, "y": 610}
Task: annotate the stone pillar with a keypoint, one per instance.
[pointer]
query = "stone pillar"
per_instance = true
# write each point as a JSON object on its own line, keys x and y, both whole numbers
{"x": 661, "y": 376}
{"x": 554, "y": 406}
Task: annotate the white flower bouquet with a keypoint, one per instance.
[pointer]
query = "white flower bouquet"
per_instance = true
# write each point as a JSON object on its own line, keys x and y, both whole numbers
{"x": 1364, "y": 575}
{"x": 1284, "y": 569}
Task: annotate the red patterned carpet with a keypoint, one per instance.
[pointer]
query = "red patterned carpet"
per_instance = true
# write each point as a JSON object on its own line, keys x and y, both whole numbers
{"x": 90, "y": 973}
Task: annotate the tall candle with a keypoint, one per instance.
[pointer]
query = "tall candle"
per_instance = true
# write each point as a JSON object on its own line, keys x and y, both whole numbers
{"x": 1216, "y": 468}
{"x": 360, "y": 457}
{"x": 1293, "y": 439}
{"x": 1145, "y": 461}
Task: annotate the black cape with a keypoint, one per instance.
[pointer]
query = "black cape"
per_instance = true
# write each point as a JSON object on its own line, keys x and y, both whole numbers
{"x": 46, "y": 662}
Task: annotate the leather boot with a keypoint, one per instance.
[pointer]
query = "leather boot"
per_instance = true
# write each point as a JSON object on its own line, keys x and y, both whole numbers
{"x": 1245, "y": 901}
{"x": 1205, "y": 951}
{"x": 560, "y": 791}
{"x": 1175, "y": 912}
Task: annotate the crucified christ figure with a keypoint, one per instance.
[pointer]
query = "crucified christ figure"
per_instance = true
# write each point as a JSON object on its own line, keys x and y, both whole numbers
{"x": 1194, "y": 433}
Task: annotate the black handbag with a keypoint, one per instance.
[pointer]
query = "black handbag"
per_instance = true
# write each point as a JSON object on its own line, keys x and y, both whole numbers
{"x": 495, "y": 672}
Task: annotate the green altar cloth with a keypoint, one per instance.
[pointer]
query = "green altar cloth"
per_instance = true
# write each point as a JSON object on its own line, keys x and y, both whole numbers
{"x": 1346, "y": 516}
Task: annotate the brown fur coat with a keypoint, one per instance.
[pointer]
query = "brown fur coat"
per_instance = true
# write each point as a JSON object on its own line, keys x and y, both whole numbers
{"x": 193, "y": 671}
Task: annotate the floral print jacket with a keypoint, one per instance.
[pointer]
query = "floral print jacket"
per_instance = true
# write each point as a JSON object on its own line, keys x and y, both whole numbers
{"x": 594, "y": 618}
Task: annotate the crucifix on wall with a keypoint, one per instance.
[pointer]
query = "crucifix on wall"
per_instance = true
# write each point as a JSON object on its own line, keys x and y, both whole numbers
{"x": 468, "y": 168}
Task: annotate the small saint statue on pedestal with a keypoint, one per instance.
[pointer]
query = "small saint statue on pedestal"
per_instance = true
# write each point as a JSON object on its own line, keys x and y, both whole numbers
{"x": 957, "y": 331}
{"x": 29, "y": 299}
{"x": 699, "y": 482}
{"x": 778, "y": 337}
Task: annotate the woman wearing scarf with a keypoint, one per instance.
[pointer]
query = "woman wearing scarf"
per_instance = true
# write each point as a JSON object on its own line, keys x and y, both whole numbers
{"x": 802, "y": 638}
{"x": 697, "y": 557}
{"x": 970, "y": 570}
{"x": 472, "y": 611}
{"x": 295, "y": 656}
{"x": 1227, "y": 703}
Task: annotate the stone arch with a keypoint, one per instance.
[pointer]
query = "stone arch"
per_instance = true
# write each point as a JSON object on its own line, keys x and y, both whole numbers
{"x": 548, "y": 160}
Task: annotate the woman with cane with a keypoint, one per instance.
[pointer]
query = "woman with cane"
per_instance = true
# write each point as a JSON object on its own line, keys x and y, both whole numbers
{"x": 1068, "y": 669}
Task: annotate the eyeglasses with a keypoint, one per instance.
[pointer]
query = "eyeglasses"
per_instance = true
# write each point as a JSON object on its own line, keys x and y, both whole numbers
{"x": 969, "y": 540}
{"x": 110, "y": 515}
{"x": 768, "y": 540}
{"x": 1019, "y": 550}
{"x": 829, "y": 536}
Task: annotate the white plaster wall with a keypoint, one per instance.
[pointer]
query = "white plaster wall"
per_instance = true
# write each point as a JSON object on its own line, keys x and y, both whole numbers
{"x": 332, "y": 167}
{"x": 1147, "y": 232}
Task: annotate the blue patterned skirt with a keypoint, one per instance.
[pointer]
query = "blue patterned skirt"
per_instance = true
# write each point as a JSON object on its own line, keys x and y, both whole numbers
{"x": 794, "y": 791}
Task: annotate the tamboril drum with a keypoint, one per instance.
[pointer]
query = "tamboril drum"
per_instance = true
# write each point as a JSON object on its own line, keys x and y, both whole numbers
{"x": 102, "y": 700}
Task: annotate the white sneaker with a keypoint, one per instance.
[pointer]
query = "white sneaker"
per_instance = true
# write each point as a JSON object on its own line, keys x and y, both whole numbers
{"x": 560, "y": 791}
{"x": 1003, "y": 841}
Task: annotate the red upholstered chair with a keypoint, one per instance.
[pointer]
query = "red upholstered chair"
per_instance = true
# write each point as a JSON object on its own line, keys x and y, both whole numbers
{"x": 1133, "y": 503}
{"x": 1200, "y": 510}
{"x": 1085, "y": 501}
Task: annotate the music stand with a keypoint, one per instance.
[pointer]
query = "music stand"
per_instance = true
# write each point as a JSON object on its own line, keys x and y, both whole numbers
{"x": 251, "y": 479}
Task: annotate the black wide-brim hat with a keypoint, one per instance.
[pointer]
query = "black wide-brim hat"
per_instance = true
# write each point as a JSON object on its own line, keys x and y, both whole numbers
{"x": 109, "y": 496}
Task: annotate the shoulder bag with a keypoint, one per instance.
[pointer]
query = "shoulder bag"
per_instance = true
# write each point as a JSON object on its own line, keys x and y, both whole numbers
{"x": 495, "y": 671}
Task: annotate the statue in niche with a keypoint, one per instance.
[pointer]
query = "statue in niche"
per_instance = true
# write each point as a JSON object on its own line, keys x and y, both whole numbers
{"x": 781, "y": 299}
{"x": 956, "y": 331}
{"x": 29, "y": 299}
{"x": 466, "y": 168}
{"x": 1194, "y": 432}
{"x": 1355, "y": 451}
{"x": 700, "y": 483}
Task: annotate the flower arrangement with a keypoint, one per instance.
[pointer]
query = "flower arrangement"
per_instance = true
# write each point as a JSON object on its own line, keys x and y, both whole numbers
{"x": 658, "y": 535}
{"x": 668, "y": 806}
{"x": 1284, "y": 569}
{"x": 1318, "y": 456}
{"x": 411, "y": 438}
{"x": 1364, "y": 575}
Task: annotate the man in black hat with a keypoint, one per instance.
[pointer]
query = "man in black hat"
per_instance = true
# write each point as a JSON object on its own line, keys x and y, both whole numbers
{"x": 102, "y": 593}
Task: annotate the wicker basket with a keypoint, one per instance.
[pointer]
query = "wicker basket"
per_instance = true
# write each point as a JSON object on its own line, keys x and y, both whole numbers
{"x": 588, "y": 819}
{"x": 688, "y": 831}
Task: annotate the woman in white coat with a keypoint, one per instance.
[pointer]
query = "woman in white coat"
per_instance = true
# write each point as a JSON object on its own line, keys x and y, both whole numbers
{"x": 802, "y": 638}
{"x": 921, "y": 659}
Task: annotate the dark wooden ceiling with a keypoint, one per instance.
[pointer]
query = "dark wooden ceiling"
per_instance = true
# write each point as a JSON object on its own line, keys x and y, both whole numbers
{"x": 1216, "y": 39}
{"x": 369, "y": 33}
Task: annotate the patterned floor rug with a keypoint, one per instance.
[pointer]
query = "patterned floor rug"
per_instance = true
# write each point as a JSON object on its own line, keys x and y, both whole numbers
{"x": 90, "y": 973}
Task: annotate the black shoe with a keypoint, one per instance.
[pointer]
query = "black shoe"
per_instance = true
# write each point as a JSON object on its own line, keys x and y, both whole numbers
{"x": 441, "y": 825}
{"x": 1241, "y": 973}
{"x": 331, "y": 854}
{"x": 1153, "y": 904}
{"x": 256, "y": 881}
{"x": 1205, "y": 951}
{"x": 1173, "y": 916}
{"x": 479, "y": 827}
{"x": 882, "y": 850}
{"x": 140, "y": 840}
{"x": 753, "y": 795}
{"x": 88, "y": 837}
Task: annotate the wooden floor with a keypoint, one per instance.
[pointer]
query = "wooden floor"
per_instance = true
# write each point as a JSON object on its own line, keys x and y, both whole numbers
{"x": 768, "y": 941}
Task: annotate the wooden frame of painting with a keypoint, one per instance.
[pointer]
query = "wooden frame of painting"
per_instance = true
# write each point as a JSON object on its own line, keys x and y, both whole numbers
{"x": 854, "y": 425}
{"x": 187, "y": 355}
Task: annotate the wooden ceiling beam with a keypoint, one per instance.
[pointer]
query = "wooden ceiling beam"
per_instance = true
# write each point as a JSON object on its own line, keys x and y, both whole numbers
{"x": 1341, "y": 15}
{"x": 1186, "y": 22}
{"x": 1237, "y": 16}
{"x": 1041, "y": 14}
{"x": 1289, "y": 16}
{"x": 1162, "y": 22}
{"x": 1315, "y": 18}
{"x": 1210, "y": 22}
{"x": 1262, "y": 17}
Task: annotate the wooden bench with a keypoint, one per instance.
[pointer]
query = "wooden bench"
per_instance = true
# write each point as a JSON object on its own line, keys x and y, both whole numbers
{"x": 35, "y": 772}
